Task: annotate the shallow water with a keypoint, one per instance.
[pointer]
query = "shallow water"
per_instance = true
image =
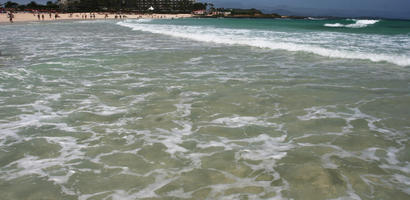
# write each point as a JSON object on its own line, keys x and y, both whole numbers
{"x": 153, "y": 110}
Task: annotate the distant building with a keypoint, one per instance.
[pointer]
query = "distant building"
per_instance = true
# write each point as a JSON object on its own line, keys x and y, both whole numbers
{"x": 199, "y": 12}
{"x": 158, "y": 4}
{"x": 140, "y": 5}
{"x": 65, "y": 4}
{"x": 221, "y": 13}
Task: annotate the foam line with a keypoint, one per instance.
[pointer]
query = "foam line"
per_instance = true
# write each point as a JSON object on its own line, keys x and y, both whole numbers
{"x": 261, "y": 40}
{"x": 357, "y": 24}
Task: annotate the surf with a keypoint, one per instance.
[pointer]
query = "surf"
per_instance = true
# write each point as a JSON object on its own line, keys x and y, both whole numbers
{"x": 270, "y": 39}
{"x": 357, "y": 24}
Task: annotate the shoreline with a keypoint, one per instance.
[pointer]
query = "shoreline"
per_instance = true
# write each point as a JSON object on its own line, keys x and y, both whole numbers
{"x": 249, "y": 17}
{"x": 32, "y": 17}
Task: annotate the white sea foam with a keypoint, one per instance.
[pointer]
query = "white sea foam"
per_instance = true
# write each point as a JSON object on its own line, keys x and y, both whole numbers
{"x": 405, "y": 182}
{"x": 315, "y": 18}
{"x": 334, "y": 25}
{"x": 357, "y": 24}
{"x": 277, "y": 41}
{"x": 139, "y": 20}
{"x": 90, "y": 22}
{"x": 272, "y": 148}
{"x": 29, "y": 165}
{"x": 238, "y": 121}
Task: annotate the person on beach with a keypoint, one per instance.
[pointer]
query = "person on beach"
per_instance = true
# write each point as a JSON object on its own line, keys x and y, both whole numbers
{"x": 42, "y": 17}
{"x": 106, "y": 16}
{"x": 11, "y": 16}
{"x": 38, "y": 16}
{"x": 50, "y": 15}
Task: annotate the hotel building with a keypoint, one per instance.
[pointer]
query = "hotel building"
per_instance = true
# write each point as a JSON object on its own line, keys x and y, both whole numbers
{"x": 140, "y": 5}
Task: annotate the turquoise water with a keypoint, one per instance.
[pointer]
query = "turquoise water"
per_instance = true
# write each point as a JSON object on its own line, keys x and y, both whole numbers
{"x": 205, "y": 109}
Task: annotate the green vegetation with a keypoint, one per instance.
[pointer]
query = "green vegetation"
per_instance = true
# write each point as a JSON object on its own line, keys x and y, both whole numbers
{"x": 252, "y": 11}
{"x": 242, "y": 13}
{"x": 165, "y": 6}
{"x": 32, "y": 5}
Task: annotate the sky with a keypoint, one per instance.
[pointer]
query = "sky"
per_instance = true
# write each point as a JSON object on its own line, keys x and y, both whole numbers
{"x": 27, "y": 1}
{"x": 344, "y": 8}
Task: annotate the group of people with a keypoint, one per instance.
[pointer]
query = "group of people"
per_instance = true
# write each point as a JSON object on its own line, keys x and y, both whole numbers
{"x": 120, "y": 16}
{"x": 11, "y": 16}
{"x": 41, "y": 17}
{"x": 92, "y": 16}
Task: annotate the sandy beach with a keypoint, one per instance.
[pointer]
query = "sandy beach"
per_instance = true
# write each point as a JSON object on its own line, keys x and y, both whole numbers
{"x": 28, "y": 17}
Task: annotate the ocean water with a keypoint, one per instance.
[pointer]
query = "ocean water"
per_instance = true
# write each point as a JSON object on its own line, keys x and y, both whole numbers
{"x": 205, "y": 109}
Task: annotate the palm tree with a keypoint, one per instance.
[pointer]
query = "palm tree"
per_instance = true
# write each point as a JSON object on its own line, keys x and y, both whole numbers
{"x": 10, "y": 4}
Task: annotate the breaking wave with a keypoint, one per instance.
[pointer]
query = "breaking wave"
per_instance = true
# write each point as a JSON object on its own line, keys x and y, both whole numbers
{"x": 267, "y": 39}
{"x": 357, "y": 24}
{"x": 316, "y": 18}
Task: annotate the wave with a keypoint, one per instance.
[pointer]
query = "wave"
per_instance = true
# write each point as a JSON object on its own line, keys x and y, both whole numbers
{"x": 316, "y": 18}
{"x": 357, "y": 24}
{"x": 248, "y": 38}
{"x": 140, "y": 20}
{"x": 335, "y": 25}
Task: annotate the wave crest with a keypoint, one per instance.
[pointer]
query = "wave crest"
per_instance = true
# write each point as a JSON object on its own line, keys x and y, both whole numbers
{"x": 358, "y": 24}
{"x": 265, "y": 39}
